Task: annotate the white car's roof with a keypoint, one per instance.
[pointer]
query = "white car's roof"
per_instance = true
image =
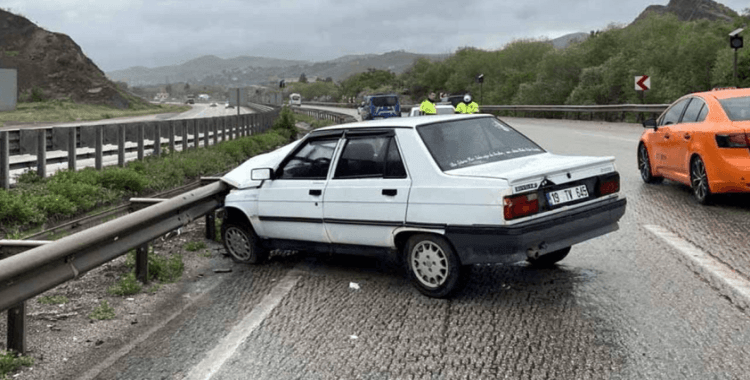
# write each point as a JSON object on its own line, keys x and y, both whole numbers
{"x": 402, "y": 122}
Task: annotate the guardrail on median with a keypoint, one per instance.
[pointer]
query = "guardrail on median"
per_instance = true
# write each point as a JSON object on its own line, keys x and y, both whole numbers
{"x": 338, "y": 118}
{"x": 638, "y": 108}
{"x": 82, "y": 142}
{"x": 49, "y": 264}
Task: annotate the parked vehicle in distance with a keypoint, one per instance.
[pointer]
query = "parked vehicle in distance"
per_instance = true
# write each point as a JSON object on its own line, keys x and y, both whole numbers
{"x": 295, "y": 100}
{"x": 406, "y": 188}
{"x": 454, "y": 100}
{"x": 214, "y": 105}
{"x": 441, "y": 109}
{"x": 702, "y": 140}
{"x": 190, "y": 101}
{"x": 381, "y": 106}
{"x": 228, "y": 105}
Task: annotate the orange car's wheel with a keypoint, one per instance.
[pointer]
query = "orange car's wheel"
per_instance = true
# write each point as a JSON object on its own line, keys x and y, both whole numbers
{"x": 644, "y": 166}
{"x": 699, "y": 181}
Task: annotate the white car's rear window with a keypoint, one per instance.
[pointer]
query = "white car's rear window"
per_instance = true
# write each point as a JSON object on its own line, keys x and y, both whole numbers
{"x": 469, "y": 142}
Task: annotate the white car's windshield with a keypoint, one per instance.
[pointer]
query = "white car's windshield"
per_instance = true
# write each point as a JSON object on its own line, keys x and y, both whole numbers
{"x": 464, "y": 143}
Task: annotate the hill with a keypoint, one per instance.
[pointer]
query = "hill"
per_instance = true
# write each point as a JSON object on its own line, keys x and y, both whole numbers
{"x": 687, "y": 10}
{"x": 52, "y": 66}
{"x": 245, "y": 71}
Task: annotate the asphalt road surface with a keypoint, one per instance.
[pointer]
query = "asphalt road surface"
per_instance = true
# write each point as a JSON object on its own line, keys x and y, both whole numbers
{"x": 628, "y": 305}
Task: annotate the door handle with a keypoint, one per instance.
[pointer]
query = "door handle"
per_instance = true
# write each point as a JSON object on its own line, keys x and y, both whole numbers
{"x": 687, "y": 136}
{"x": 316, "y": 192}
{"x": 390, "y": 192}
{"x": 666, "y": 135}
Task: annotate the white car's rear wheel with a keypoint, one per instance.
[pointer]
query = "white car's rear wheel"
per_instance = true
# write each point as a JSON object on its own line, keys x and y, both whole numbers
{"x": 433, "y": 266}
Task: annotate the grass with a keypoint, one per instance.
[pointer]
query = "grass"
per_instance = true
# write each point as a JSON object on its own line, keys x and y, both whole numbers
{"x": 34, "y": 201}
{"x": 193, "y": 246}
{"x": 161, "y": 268}
{"x": 127, "y": 285}
{"x": 53, "y": 300}
{"x": 102, "y": 312}
{"x": 67, "y": 111}
{"x": 10, "y": 362}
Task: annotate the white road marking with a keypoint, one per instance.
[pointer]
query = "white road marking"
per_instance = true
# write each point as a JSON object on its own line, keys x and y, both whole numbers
{"x": 125, "y": 350}
{"x": 216, "y": 358}
{"x": 729, "y": 282}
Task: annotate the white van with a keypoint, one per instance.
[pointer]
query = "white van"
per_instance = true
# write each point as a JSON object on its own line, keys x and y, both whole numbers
{"x": 295, "y": 100}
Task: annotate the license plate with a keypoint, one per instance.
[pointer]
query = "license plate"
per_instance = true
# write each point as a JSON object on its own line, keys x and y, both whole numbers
{"x": 567, "y": 195}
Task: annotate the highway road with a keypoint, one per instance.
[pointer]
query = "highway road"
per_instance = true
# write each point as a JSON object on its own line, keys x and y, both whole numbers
{"x": 662, "y": 298}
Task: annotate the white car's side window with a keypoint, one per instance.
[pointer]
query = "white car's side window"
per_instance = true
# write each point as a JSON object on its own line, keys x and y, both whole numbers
{"x": 370, "y": 157}
{"x": 310, "y": 162}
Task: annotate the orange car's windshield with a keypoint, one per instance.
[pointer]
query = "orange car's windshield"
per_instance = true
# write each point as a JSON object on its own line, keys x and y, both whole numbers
{"x": 737, "y": 109}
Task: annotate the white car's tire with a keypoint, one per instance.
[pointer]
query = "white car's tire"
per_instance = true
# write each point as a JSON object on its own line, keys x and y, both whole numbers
{"x": 433, "y": 266}
{"x": 242, "y": 243}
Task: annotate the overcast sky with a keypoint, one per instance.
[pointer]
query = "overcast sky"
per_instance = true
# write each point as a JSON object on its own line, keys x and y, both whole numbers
{"x": 125, "y": 33}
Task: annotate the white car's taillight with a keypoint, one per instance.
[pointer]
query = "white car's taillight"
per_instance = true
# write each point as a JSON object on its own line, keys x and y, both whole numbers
{"x": 520, "y": 205}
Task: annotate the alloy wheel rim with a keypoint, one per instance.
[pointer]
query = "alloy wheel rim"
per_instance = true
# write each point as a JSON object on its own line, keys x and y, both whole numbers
{"x": 429, "y": 263}
{"x": 645, "y": 169}
{"x": 699, "y": 180}
{"x": 238, "y": 244}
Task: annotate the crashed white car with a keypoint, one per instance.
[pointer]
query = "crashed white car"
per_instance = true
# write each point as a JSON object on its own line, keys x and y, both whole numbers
{"x": 440, "y": 193}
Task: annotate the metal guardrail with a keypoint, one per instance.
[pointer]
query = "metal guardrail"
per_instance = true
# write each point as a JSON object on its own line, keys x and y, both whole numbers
{"x": 645, "y": 108}
{"x": 128, "y": 137}
{"x": 338, "y": 118}
{"x": 49, "y": 264}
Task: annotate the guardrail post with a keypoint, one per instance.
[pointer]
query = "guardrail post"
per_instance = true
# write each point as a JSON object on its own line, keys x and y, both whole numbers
{"x": 72, "y": 146}
{"x": 17, "y": 328}
{"x": 141, "y": 136}
{"x": 157, "y": 138}
{"x": 196, "y": 134}
{"x": 223, "y": 129}
{"x": 41, "y": 152}
{"x": 121, "y": 145}
{"x": 171, "y": 136}
{"x": 184, "y": 133}
{"x": 4, "y": 160}
{"x": 206, "y": 127}
{"x": 211, "y": 225}
{"x": 141, "y": 263}
{"x": 98, "y": 146}
{"x": 215, "y": 129}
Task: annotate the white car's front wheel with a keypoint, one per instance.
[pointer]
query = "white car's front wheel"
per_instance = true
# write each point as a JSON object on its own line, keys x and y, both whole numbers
{"x": 241, "y": 243}
{"x": 433, "y": 266}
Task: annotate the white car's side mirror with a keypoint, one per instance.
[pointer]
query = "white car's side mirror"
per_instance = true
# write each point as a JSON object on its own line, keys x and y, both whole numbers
{"x": 261, "y": 174}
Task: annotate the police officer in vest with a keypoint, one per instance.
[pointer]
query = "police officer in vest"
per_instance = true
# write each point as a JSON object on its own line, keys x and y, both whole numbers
{"x": 428, "y": 105}
{"x": 467, "y": 106}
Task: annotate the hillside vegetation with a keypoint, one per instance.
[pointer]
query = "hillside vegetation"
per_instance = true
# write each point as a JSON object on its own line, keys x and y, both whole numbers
{"x": 679, "y": 56}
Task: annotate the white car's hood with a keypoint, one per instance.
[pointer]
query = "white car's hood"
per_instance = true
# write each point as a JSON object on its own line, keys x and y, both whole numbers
{"x": 527, "y": 173}
{"x": 240, "y": 176}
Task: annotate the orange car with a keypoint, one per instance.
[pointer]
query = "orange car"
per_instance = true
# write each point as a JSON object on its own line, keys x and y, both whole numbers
{"x": 701, "y": 140}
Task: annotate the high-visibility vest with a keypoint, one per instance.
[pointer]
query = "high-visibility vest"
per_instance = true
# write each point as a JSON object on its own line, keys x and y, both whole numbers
{"x": 427, "y": 107}
{"x": 472, "y": 107}
{"x": 461, "y": 108}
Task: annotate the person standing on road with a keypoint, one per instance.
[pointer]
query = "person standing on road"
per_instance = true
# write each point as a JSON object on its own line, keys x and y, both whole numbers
{"x": 428, "y": 105}
{"x": 467, "y": 106}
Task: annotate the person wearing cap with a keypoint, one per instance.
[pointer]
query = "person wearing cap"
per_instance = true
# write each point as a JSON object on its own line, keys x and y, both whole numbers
{"x": 467, "y": 106}
{"x": 428, "y": 105}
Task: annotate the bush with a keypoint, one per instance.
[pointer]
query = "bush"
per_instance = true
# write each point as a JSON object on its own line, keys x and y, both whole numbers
{"x": 10, "y": 362}
{"x": 164, "y": 269}
{"x": 123, "y": 179}
{"x": 193, "y": 246}
{"x": 53, "y": 300}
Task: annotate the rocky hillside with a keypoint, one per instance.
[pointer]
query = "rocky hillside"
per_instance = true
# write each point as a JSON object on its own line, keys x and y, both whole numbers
{"x": 687, "y": 10}
{"x": 53, "y": 65}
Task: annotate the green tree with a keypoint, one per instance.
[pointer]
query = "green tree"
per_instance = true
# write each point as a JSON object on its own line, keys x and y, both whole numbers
{"x": 303, "y": 78}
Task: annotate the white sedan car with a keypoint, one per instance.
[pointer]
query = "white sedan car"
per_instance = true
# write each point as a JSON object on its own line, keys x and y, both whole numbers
{"x": 440, "y": 193}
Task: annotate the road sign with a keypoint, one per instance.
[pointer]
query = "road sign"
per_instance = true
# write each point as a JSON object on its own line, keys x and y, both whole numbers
{"x": 642, "y": 83}
{"x": 233, "y": 101}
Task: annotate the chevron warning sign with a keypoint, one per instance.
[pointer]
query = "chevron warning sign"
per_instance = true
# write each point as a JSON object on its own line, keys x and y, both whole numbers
{"x": 642, "y": 83}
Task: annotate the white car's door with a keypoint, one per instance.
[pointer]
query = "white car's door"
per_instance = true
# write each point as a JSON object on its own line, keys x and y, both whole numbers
{"x": 291, "y": 205}
{"x": 366, "y": 198}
